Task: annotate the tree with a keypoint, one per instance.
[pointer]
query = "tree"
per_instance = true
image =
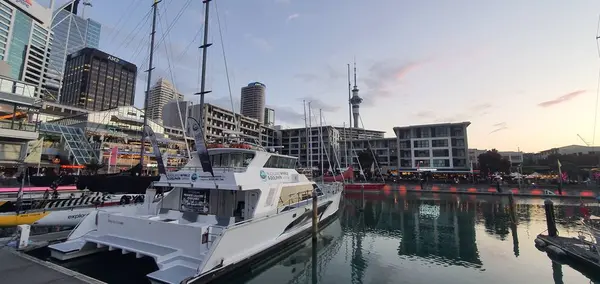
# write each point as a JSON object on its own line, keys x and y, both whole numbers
{"x": 94, "y": 166}
{"x": 491, "y": 162}
{"x": 365, "y": 159}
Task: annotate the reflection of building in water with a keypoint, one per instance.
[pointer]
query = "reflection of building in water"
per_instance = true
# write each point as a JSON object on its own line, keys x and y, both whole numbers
{"x": 450, "y": 237}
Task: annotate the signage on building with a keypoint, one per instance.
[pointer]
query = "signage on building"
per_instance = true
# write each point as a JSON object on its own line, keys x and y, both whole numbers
{"x": 114, "y": 59}
{"x": 27, "y": 3}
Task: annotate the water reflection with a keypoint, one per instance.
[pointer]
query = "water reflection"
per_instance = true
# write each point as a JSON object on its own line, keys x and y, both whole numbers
{"x": 420, "y": 238}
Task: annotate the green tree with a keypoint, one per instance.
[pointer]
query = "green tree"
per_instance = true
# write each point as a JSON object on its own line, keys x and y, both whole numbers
{"x": 491, "y": 162}
{"x": 94, "y": 166}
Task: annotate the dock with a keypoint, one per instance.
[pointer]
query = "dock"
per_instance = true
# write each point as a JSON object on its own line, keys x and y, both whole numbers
{"x": 579, "y": 254}
{"x": 18, "y": 267}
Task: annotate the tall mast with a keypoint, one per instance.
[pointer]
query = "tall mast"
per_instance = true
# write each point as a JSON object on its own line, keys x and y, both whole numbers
{"x": 345, "y": 146}
{"x": 306, "y": 130}
{"x": 149, "y": 82}
{"x": 350, "y": 115}
{"x": 310, "y": 137}
{"x": 321, "y": 146}
{"x": 204, "y": 47}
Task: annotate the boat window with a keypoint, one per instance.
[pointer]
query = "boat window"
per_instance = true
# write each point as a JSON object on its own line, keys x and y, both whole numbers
{"x": 280, "y": 162}
{"x": 231, "y": 160}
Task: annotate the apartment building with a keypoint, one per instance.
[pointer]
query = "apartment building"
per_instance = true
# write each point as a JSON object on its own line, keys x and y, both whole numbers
{"x": 294, "y": 142}
{"x": 441, "y": 146}
{"x": 384, "y": 149}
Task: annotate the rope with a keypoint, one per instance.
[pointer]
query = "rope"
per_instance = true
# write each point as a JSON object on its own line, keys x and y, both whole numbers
{"x": 235, "y": 121}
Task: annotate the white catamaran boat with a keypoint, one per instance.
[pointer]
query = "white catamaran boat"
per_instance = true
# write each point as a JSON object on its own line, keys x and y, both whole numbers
{"x": 252, "y": 202}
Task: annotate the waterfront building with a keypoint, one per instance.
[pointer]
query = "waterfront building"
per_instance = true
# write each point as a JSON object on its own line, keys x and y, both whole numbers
{"x": 119, "y": 127}
{"x": 25, "y": 38}
{"x": 160, "y": 94}
{"x": 514, "y": 157}
{"x": 269, "y": 119}
{"x": 294, "y": 142}
{"x": 441, "y": 146}
{"x": 384, "y": 149}
{"x": 175, "y": 113}
{"x": 252, "y": 101}
{"x": 219, "y": 122}
{"x": 96, "y": 80}
{"x": 72, "y": 32}
{"x": 19, "y": 108}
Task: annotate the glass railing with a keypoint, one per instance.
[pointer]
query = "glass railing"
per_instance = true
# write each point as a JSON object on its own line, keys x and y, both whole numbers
{"x": 18, "y": 125}
{"x": 18, "y": 88}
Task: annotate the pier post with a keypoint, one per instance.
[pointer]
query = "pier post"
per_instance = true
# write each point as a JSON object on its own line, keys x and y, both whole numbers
{"x": 315, "y": 216}
{"x": 550, "y": 219}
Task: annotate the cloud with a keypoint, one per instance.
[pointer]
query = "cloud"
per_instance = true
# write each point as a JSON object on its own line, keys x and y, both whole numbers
{"x": 383, "y": 77}
{"x": 288, "y": 115}
{"x": 259, "y": 42}
{"x": 562, "y": 99}
{"x": 317, "y": 104}
{"x": 224, "y": 102}
{"x": 498, "y": 129}
{"x": 307, "y": 77}
{"x": 283, "y": 1}
{"x": 499, "y": 125}
{"x": 425, "y": 114}
{"x": 331, "y": 74}
{"x": 292, "y": 16}
{"x": 480, "y": 107}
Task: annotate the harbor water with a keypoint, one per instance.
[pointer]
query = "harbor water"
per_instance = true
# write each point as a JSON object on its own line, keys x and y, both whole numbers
{"x": 403, "y": 238}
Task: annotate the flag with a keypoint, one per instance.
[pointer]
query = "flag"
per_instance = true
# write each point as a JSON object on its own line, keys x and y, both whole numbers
{"x": 159, "y": 160}
{"x": 114, "y": 152}
{"x": 559, "y": 164}
{"x": 34, "y": 150}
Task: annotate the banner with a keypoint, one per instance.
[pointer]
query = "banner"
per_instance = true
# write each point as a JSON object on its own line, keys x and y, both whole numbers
{"x": 159, "y": 160}
{"x": 34, "y": 150}
{"x": 201, "y": 146}
{"x": 114, "y": 152}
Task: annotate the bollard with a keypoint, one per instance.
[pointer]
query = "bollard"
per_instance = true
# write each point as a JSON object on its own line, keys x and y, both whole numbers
{"x": 315, "y": 216}
{"x": 550, "y": 221}
{"x": 511, "y": 207}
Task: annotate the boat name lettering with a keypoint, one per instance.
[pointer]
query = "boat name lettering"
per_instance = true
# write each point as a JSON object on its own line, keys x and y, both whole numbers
{"x": 276, "y": 175}
{"x": 76, "y": 216}
{"x": 179, "y": 176}
{"x": 115, "y": 222}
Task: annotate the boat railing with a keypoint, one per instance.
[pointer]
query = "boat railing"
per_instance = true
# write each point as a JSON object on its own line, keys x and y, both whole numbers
{"x": 214, "y": 231}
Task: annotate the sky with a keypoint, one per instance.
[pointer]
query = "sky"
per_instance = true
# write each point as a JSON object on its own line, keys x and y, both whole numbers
{"x": 524, "y": 73}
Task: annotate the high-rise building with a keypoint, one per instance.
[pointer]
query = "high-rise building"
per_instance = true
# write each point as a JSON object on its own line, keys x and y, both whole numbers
{"x": 253, "y": 101}
{"x": 25, "y": 38}
{"x": 96, "y": 80}
{"x": 269, "y": 117}
{"x": 160, "y": 94}
{"x": 71, "y": 33}
{"x": 175, "y": 113}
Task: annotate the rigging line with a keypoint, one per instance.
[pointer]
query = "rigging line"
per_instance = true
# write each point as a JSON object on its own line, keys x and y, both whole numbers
{"x": 371, "y": 150}
{"x": 127, "y": 12}
{"x": 130, "y": 36}
{"x": 327, "y": 151}
{"x": 596, "y": 109}
{"x": 171, "y": 25}
{"x": 175, "y": 91}
{"x": 235, "y": 121}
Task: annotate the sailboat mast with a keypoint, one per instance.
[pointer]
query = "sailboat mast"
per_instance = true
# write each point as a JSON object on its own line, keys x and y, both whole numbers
{"x": 149, "y": 82}
{"x": 350, "y": 116}
{"x": 321, "y": 146}
{"x": 204, "y": 47}
{"x": 306, "y": 130}
{"x": 310, "y": 137}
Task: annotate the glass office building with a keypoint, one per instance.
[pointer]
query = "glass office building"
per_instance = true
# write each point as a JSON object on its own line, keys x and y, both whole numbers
{"x": 25, "y": 40}
{"x": 82, "y": 33}
{"x": 95, "y": 80}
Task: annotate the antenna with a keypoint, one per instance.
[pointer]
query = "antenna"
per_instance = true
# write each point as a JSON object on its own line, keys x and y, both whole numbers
{"x": 355, "y": 72}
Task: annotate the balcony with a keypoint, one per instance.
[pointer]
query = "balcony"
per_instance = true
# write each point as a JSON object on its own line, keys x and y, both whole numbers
{"x": 18, "y": 130}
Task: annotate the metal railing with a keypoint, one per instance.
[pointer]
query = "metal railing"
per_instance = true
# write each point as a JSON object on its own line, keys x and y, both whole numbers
{"x": 18, "y": 125}
{"x": 18, "y": 88}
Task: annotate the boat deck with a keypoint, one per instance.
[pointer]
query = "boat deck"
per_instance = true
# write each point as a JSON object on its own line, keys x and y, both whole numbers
{"x": 577, "y": 253}
{"x": 20, "y": 268}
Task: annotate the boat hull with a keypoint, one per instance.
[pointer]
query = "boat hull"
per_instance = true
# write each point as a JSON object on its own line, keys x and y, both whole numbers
{"x": 284, "y": 242}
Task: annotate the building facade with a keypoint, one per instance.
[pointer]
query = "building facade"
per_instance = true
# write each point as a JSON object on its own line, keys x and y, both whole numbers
{"x": 71, "y": 33}
{"x": 294, "y": 142}
{"x": 269, "y": 119}
{"x": 25, "y": 38}
{"x": 175, "y": 114}
{"x": 441, "y": 146}
{"x": 252, "y": 101}
{"x": 384, "y": 149}
{"x": 514, "y": 157}
{"x": 219, "y": 122}
{"x": 160, "y": 94}
{"x": 95, "y": 80}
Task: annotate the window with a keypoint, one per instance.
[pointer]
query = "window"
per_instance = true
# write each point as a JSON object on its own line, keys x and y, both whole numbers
{"x": 421, "y": 144}
{"x": 438, "y": 163}
{"x": 422, "y": 163}
{"x": 439, "y": 143}
{"x": 280, "y": 162}
{"x": 441, "y": 153}
{"x": 421, "y": 153}
{"x": 231, "y": 160}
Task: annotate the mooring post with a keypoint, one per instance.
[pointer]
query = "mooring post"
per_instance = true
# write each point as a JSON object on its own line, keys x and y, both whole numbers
{"x": 550, "y": 221}
{"x": 315, "y": 216}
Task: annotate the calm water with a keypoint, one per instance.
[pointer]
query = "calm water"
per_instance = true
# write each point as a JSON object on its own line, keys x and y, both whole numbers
{"x": 405, "y": 239}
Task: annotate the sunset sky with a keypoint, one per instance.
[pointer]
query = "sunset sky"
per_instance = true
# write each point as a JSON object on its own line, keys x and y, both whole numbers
{"x": 524, "y": 73}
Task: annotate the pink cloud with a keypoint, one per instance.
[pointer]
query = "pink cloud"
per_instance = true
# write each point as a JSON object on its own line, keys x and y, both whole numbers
{"x": 562, "y": 99}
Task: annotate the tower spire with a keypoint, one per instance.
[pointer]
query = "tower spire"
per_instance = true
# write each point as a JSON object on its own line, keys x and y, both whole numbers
{"x": 355, "y": 101}
{"x": 355, "y": 73}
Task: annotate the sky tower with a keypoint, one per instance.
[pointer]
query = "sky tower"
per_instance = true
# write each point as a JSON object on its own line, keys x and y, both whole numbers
{"x": 355, "y": 101}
